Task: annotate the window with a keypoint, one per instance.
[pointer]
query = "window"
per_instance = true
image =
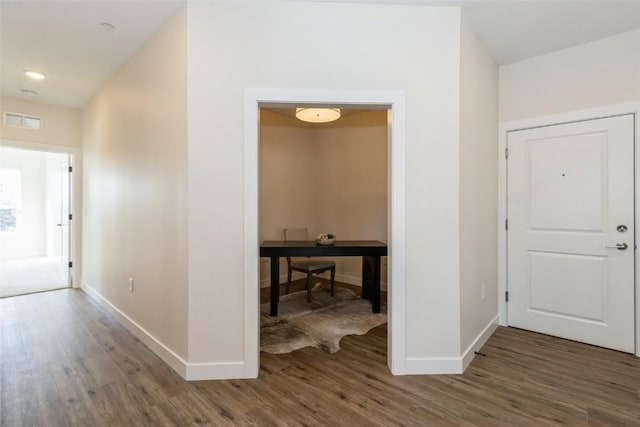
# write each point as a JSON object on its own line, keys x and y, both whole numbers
{"x": 22, "y": 121}
{"x": 9, "y": 199}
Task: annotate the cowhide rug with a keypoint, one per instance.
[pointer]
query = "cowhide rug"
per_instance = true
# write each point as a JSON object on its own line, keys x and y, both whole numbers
{"x": 321, "y": 323}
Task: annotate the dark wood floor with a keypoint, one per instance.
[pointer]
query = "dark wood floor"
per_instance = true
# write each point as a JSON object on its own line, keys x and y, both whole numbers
{"x": 64, "y": 361}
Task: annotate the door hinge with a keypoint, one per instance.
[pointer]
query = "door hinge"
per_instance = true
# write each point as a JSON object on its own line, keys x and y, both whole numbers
{"x": 70, "y": 264}
{"x": 506, "y": 152}
{"x": 506, "y": 224}
{"x": 506, "y": 296}
{"x": 70, "y": 169}
{"x": 70, "y": 217}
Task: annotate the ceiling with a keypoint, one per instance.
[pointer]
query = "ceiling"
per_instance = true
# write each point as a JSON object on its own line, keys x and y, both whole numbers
{"x": 64, "y": 39}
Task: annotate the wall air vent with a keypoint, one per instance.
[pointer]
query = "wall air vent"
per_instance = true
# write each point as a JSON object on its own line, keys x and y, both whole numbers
{"x": 22, "y": 121}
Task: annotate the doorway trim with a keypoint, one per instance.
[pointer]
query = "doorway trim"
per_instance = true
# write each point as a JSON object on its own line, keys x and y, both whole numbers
{"x": 556, "y": 119}
{"x": 394, "y": 102}
{"x": 75, "y": 227}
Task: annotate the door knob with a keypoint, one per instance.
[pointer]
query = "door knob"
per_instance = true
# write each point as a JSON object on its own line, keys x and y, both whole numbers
{"x": 621, "y": 246}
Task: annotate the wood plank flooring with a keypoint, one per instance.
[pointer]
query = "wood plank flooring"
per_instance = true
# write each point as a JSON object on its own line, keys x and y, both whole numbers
{"x": 64, "y": 361}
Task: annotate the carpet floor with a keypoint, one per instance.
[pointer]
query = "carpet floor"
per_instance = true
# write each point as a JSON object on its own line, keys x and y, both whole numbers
{"x": 25, "y": 276}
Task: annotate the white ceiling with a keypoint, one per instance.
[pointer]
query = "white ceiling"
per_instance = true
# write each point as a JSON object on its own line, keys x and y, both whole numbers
{"x": 516, "y": 30}
{"x": 64, "y": 39}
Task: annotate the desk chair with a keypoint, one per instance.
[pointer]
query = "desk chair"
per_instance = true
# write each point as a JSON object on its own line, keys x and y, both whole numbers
{"x": 308, "y": 266}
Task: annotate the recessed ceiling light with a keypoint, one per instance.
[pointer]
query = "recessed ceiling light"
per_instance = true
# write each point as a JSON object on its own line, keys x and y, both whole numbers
{"x": 107, "y": 27}
{"x": 29, "y": 92}
{"x": 35, "y": 75}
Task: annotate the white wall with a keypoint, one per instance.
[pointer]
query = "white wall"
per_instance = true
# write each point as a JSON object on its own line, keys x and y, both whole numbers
{"x": 478, "y": 187}
{"x": 600, "y": 73}
{"x": 239, "y": 45}
{"x": 329, "y": 178}
{"x": 135, "y": 189}
{"x": 28, "y": 240}
{"x": 60, "y": 125}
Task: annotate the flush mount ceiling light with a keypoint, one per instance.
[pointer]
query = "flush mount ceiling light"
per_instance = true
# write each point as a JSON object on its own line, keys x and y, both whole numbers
{"x": 34, "y": 75}
{"x": 318, "y": 115}
{"x": 29, "y": 92}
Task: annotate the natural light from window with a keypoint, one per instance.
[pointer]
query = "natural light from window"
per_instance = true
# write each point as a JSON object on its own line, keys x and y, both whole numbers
{"x": 9, "y": 199}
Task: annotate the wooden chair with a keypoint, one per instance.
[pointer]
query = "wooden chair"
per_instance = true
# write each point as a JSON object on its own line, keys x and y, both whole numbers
{"x": 309, "y": 266}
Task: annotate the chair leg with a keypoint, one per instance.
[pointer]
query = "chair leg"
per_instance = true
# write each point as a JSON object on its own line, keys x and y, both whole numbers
{"x": 309, "y": 280}
{"x": 288, "y": 280}
{"x": 333, "y": 281}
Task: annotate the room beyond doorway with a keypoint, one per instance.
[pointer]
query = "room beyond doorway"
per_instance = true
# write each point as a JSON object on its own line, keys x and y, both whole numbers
{"x": 34, "y": 221}
{"x": 394, "y": 103}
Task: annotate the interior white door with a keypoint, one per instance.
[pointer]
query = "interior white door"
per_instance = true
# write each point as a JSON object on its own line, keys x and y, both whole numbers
{"x": 65, "y": 211}
{"x": 570, "y": 193}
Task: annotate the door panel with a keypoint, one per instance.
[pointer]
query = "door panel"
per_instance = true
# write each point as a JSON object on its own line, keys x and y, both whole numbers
{"x": 571, "y": 166}
{"x": 569, "y": 187}
{"x": 554, "y": 280}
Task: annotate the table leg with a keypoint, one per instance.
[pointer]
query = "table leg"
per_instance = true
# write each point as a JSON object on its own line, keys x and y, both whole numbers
{"x": 371, "y": 281}
{"x": 375, "y": 285}
{"x": 366, "y": 276}
{"x": 275, "y": 284}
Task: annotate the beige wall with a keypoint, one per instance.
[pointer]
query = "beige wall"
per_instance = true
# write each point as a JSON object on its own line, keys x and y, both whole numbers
{"x": 600, "y": 73}
{"x": 239, "y": 45}
{"x": 329, "y": 178}
{"x": 478, "y": 187}
{"x": 287, "y": 175}
{"x": 135, "y": 188}
{"x": 61, "y": 126}
{"x": 353, "y": 167}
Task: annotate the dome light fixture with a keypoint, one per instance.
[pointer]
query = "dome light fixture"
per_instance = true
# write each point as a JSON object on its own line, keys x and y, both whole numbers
{"x": 318, "y": 115}
{"x": 35, "y": 75}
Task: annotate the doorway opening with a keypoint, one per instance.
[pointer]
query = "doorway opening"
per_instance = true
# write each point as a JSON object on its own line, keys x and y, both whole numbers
{"x": 392, "y": 103}
{"x": 35, "y": 219}
{"x": 318, "y": 179}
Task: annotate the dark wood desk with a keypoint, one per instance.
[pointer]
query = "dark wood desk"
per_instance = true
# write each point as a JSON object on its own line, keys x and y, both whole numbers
{"x": 369, "y": 250}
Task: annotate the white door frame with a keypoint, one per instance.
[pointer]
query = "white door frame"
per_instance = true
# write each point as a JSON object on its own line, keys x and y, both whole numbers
{"x": 396, "y": 160}
{"x": 75, "y": 228}
{"x": 573, "y": 116}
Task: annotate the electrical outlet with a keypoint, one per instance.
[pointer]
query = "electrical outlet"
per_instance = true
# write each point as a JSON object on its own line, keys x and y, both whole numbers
{"x": 130, "y": 284}
{"x": 483, "y": 292}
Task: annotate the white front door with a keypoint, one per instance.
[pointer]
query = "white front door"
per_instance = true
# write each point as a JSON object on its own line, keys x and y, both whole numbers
{"x": 570, "y": 201}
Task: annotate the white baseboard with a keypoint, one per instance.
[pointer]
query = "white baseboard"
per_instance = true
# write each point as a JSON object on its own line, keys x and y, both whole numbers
{"x": 450, "y": 365}
{"x": 343, "y": 278}
{"x": 163, "y": 352}
{"x": 218, "y": 371}
{"x": 188, "y": 371}
{"x": 432, "y": 366}
{"x": 264, "y": 283}
{"x": 479, "y": 342}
